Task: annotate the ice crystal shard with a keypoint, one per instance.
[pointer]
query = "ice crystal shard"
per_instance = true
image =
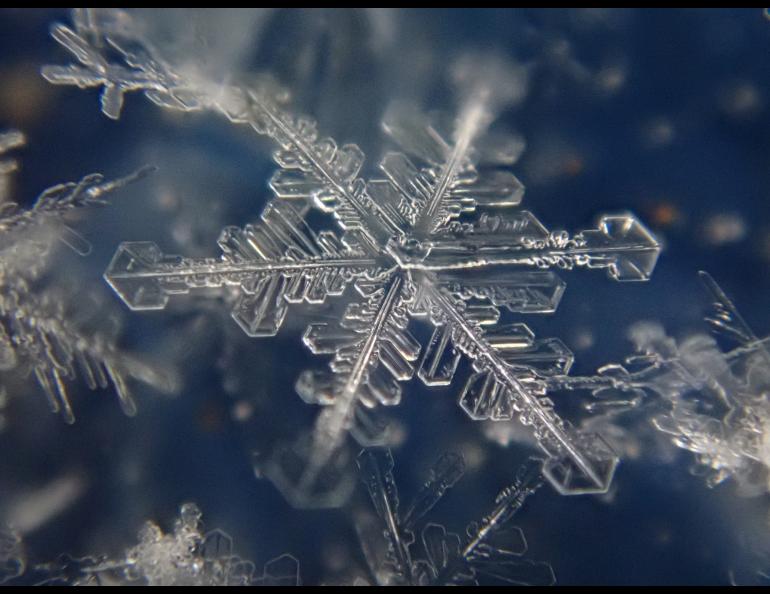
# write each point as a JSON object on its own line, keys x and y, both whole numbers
{"x": 448, "y": 183}
{"x": 432, "y": 237}
{"x": 185, "y": 556}
{"x": 35, "y": 333}
{"x": 275, "y": 262}
{"x": 189, "y": 557}
{"x": 39, "y": 335}
{"x": 729, "y": 437}
{"x": 490, "y": 547}
{"x": 57, "y": 201}
{"x": 140, "y": 72}
{"x": 500, "y": 390}
{"x": 620, "y": 244}
{"x": 712, "y": 402}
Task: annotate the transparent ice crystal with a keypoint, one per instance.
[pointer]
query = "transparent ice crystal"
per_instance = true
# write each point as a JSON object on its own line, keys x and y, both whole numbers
{"x": 711, "y": 401}
{"x": 186, "y": 556}
{"x": 38, "y": 332}
{"x": 436, "y": 236}
{"x": 490, "y": 547}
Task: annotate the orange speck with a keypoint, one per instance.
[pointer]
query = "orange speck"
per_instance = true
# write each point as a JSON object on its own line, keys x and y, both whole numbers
{"x": 573, "y": 165}
{"x": 664, "y": 214}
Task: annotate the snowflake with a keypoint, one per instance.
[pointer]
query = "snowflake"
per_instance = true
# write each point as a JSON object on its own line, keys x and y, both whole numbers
{"x": 714, "y": 402}
{"x": 433, "y": 238}
{"x": 489, "y": 548}
{"x": 184, "y": 557}
{"x": 37, "y": 332}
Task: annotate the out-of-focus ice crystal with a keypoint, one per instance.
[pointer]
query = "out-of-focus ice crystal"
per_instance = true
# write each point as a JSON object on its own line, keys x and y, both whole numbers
{"x": 186, "y": 556}
{"x": 710, "y": 400}
{"x": 37, "y": 335}
{"x": 490, "y": 547}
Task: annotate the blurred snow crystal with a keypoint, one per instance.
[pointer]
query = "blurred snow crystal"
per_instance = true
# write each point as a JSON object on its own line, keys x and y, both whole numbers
{"x": 38, "y": 336}
{"x": 186, "y": 556}
{"x": 489, "y": 547}
{"x": 712, "y": 402}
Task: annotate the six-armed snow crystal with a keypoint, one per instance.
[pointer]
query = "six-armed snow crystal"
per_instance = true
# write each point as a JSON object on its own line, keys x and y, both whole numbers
{"x": 438, "y": 236}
